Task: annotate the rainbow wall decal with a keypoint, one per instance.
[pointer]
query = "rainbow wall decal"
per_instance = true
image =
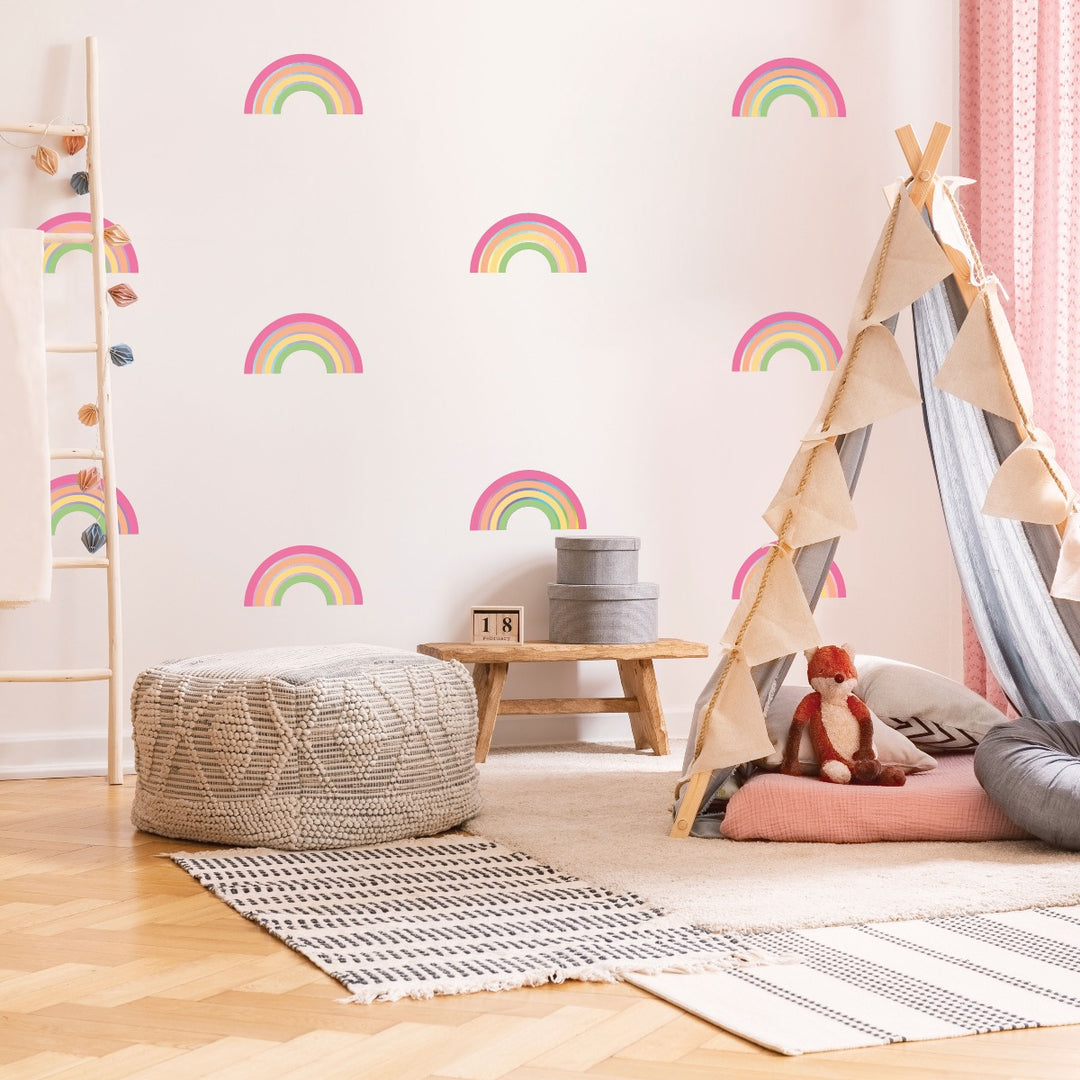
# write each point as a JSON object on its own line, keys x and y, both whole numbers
{"x": 787, "y": 330}
{"x": 527, "y": 232}
{"x": 834, "y": 587}
{"x": 788, "y": 75}
{"x": 528, "y": 488}
{"x": 303, "y": 72}
{"x": 66, "y": 497}
{"x": 119, "y": 258}
{"x": 302, "y": 564}
{"x": 303, "y": 332}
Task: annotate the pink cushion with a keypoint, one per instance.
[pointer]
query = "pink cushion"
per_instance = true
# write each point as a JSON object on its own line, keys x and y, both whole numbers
{"x": 944, "y": 804}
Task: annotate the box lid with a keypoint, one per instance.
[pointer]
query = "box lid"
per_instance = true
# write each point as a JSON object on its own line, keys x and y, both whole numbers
{"x": 598, "y": 543}
{"x": 639, "y": 590}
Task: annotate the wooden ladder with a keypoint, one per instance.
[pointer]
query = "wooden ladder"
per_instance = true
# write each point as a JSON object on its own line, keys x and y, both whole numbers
{"x": 103, "y": 453}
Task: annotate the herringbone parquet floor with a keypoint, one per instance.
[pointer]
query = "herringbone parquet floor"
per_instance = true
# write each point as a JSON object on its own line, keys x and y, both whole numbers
{"x": 115, "y": 963}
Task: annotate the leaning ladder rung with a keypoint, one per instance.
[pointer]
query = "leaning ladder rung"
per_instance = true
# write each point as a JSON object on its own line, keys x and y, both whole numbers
{"x": 68, "y": 237}
{"x": 77, "y": 562}
{"x": 72, "y": 347}
{"x": 45, "y": 129}
{"x": 60, "y": 675}
{"x": 76, "y": 452}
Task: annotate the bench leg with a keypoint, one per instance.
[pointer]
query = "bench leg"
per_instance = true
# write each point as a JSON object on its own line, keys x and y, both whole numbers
{"x": 628, "y": 676}
{"x": 489, "y": 680}
{"x": 639, "y": 681}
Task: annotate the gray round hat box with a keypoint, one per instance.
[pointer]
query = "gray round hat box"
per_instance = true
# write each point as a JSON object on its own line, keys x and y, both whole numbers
{"x": 596, "y": 560}
{"x": 597, "y": 599}
{"x": 603, "y": 614}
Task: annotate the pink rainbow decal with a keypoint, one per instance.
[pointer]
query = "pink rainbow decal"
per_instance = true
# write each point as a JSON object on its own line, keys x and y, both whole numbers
{"x": 303, "y": 332}
{"x": 527, "y": 488}
{"x": 66, "y": 497}
{"x": 788, "y": 75}
{"x": 302, "y": 564}
{"x": 119, "y": 258}
{"x": 833, "y": 589}
{"x": 303, "y": 72}
{"x": 527, "y": 232}
{"x": 787, "y": 330}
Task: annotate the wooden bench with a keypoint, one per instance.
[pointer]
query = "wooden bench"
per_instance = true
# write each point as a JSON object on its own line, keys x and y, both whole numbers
{"x": 641, "y": 700}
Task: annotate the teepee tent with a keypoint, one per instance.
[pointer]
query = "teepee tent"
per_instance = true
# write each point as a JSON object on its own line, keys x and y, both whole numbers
{"x": 1010, "y": 510}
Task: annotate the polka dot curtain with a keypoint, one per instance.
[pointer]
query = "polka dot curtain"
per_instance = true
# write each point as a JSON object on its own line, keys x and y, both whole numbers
{"x": 1020, "y": 140}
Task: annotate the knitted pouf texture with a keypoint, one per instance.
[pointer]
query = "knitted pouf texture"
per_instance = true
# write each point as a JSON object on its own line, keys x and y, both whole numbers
{"x": 304, "y": 748}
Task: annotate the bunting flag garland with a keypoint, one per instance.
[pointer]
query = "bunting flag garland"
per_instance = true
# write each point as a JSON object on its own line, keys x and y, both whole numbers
{"x": 871, "y": 383}
{"x": 814, "y": 492}
{"x": 1027, "y": 487}
{"x": 913, "y": 263}
{"x": 984, "y": 367}
{"x": 773, "y": 617}
{"x": 731, "y": 728}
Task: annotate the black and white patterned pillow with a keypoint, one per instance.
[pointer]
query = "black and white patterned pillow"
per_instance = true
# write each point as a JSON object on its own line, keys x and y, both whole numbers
{"x": 936, "y": 713}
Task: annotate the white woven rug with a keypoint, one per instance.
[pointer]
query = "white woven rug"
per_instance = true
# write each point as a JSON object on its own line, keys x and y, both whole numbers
{"x": 451, "y": 915}
{"x": 894, "y": 982}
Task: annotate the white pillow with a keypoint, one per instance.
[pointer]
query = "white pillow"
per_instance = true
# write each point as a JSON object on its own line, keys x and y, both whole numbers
{"x": 935, "y": 712}
{"x": 892, "y": 747}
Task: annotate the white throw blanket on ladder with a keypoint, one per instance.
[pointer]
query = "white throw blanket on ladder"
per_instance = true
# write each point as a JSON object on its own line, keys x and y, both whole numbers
{"x": 25, "y": 534}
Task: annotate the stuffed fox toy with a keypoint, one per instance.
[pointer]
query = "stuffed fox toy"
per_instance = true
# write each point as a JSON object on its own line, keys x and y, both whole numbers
{"x": 840, "y": 725}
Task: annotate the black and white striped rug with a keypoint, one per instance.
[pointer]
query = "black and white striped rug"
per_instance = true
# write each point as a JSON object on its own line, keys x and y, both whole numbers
{"x": 853, "y": 986}
{"x": 451, "y": 915}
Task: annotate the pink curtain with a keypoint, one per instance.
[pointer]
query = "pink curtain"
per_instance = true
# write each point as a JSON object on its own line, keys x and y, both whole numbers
{"x": 1019, "y": 119}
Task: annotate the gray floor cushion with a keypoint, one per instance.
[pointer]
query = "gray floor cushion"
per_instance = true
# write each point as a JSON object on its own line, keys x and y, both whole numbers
{"x": 1031, "y": 769}
{"x": 313, "y": 747}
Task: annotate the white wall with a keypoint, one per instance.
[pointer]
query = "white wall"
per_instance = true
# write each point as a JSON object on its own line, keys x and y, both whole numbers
{"x": 612, "y": 116}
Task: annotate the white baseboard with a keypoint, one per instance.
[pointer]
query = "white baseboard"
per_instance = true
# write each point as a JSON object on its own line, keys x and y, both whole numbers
{"x": 39, "y": 757}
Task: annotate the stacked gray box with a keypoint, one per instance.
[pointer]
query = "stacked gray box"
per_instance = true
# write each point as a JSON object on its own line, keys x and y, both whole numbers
{"x": 598, "y": 599}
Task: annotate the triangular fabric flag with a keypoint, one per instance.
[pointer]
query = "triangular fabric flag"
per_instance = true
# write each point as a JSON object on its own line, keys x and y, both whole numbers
{"x": 822, "y": 509}
{"x": 773, "y": 618}
{"x": 1066, "y": 585}
{"x": 871, "y": 382}
{"x": 982, "y": 361}
{"x": 913, "y": 263}
{"x": 1024, "y": 487}
{"x": 730, "y": 724}
{"x": 946, "y": 224}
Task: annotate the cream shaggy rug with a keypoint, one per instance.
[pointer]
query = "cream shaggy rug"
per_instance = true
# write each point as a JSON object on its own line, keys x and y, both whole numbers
{"x": 602, "y": 813}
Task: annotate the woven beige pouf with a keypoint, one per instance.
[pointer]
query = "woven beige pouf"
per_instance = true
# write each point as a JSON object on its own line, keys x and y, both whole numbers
{"x": 303, "y": 748}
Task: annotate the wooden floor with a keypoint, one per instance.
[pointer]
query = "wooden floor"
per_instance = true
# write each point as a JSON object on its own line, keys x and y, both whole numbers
{"x": 115, "y": 963}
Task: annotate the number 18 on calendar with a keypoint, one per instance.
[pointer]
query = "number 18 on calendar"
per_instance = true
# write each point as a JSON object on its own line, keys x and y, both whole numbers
{"x": 506, "y": 624}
